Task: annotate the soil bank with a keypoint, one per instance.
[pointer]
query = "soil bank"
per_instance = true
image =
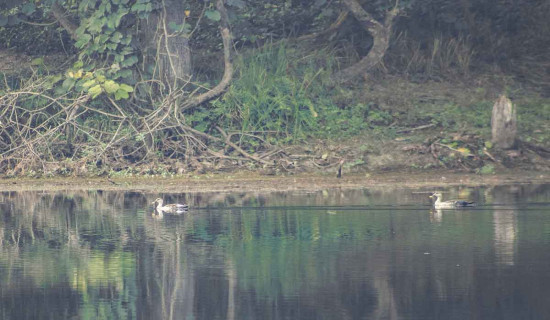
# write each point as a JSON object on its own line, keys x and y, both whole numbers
{"x": 252, "y": 182}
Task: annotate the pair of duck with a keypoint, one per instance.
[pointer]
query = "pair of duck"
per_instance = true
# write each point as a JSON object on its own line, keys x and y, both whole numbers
{"x": 176, "y": 208}
{"x": 438, "y": 204}
{"x": 450, "y": 204}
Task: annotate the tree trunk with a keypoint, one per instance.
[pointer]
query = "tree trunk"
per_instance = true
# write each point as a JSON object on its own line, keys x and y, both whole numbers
{"x": 166, "y": 48}
{"x": 224, "y": 83}
{"x": 62, "y": 17}
{"x": 380, "y": 32}
{"x": 504, "y": 123}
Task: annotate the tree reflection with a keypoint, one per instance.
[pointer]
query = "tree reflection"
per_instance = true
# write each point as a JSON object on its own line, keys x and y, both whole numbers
{"x": 98, "y": 255}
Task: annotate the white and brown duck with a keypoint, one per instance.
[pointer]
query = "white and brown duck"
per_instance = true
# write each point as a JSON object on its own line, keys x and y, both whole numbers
{"x": 177, "y": 208}
{"x": 449, "y": 204}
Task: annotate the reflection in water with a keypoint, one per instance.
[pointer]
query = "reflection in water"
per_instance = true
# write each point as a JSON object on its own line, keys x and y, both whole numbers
{"x": 436, "y": 215}
{"x": 505, "y": 224}
{"x": 358, "y": 254}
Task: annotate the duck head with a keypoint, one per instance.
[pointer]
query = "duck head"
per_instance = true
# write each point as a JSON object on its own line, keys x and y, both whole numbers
{"x": 436, "y": 195}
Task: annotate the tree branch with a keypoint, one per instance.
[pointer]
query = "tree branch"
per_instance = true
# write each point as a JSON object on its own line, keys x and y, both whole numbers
{"x": 228, "y": 57}
{"x": 335, "y": 25}
{"x": 381, "y": 39}
{"x": 61, "y": 16}
{"x": 365, "y": 19}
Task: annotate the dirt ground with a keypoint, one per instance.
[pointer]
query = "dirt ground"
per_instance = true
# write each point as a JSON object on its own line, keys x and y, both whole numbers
{"x": 246, "y": 182}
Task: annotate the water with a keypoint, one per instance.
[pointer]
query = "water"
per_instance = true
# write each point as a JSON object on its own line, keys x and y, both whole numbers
{"x": 358, "y": 254}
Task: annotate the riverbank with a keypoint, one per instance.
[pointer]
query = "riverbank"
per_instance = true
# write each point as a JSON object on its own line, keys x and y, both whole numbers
{"x": 389, "y": 123}
{"x": 252, "y": 182}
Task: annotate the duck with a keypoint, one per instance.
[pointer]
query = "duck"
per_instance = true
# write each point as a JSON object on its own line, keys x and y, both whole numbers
{"x": 169, "y": 208}
{"x": 449, "y": 204}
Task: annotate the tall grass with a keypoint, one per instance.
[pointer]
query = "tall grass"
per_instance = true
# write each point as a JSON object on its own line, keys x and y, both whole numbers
{"x": 282, "y": 92}
{"x": 276, "y": 91}
{"x": 441, "y": 57}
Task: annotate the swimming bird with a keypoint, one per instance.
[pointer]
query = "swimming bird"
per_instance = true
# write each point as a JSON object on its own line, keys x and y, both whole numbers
{"x": 450, "y": 204}
{"x": 169, "y": 208}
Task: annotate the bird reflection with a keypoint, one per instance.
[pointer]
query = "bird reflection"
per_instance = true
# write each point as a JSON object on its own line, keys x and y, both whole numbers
{"x": 436, "y": 215}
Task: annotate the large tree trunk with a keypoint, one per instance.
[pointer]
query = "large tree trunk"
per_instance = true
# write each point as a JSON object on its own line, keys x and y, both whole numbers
{"x": 380, "y": 32}
{"x": 168, "y": 49}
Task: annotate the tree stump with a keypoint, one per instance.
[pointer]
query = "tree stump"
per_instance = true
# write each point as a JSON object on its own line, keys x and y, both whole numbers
{"x": 504, "y": 123}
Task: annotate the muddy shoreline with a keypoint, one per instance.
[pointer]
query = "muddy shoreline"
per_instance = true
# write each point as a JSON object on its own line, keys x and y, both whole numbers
{"x": 252, "y": 182}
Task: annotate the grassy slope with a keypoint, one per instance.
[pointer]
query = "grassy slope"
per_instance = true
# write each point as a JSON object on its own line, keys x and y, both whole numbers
{"x": 367, "y": 124}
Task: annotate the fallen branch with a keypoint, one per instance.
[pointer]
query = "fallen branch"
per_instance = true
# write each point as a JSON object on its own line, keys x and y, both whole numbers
{"x": 426, "y": 126}
{"x": 453, "y": 149}
{"x": 485, "y": 152}
{"x": 542, "y": 151}
{"x": 240, "y": 150}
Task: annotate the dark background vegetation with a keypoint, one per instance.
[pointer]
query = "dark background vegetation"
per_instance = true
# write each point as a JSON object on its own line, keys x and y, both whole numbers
{"x": 88, "y": 86}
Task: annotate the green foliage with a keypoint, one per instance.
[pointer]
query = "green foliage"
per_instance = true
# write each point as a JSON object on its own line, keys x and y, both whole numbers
{"x": 103, "y": 35}
{"x": 213, "y": 15}
{"x": 534, "y": 119}
{"x": 487, "y": 169}
{"x": 93, "y": 83}
{"x": 282, "y": 94}
{"x": 475, "y": 117}
{"x": 268, "y": 97}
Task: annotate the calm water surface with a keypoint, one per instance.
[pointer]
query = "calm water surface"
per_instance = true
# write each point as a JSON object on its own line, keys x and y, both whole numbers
{"x": 356, "y": 254}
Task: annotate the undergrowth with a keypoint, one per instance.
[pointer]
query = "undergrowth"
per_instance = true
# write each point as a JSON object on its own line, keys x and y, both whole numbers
{"x": 279, "y": 95}
{"x": 282, "y": 94}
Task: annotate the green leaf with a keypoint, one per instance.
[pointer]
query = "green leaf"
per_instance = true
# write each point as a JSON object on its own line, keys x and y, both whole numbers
{"x": 174, "y": 26}
{"x": 139, "y": 7}
{"x": 28, "y": 9}
{"x": 68, "y": 83}
{"x": 88, "y": 83}
{"x": 237, "y": 3}
{"x": 83, "y": 40}
{"x": 487, "y": 169}
{"x": 125, "y": 87}
{"x": 118, "y": 16}
{"x": 3, "y": 20}
{"x": 37, "y": 61}
{"x": 96, "y": 25}
{"x": 116, "y": 37}
{"x": 126, "y": 40}
{"x": 85, "y": 4}
{"x": 103, "y": 38}
{"x": 213, "y": 15}
{"x": 95, "y": 91}
{"x": 129, "y": 61}
{"x": 121, "y": 94}
{"x": 111, "y": 86}
{"x": 54, "y": 79}
{"x": 13, "y": 20}
{"x": 124, "y": 74}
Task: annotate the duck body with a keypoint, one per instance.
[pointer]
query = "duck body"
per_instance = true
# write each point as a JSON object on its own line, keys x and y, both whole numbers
{"x": 450, "y": 204}
{"x": 169, "y": 208}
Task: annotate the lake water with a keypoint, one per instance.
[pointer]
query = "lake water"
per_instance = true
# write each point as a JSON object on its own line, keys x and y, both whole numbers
{"x": 333, "y": 254}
